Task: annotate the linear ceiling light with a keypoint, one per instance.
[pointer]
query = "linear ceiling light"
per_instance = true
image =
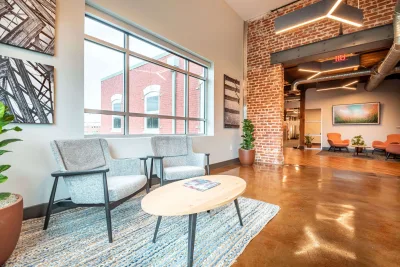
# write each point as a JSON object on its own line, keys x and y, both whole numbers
{"x": 333, "y": 9}
{"x": 318, "y": 68}
{"x": 338, "y": 87}
{"x": 327, "y": 71}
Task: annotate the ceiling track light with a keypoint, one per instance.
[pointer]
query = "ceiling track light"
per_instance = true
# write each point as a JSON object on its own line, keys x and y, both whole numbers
{"x": 331, "y": 9}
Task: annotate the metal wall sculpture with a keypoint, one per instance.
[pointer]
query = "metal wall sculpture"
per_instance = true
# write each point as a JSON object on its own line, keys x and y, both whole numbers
{"x": 28, "y": 24}
{"x": 231, "y": 102}
{"x": 28, "y": 89}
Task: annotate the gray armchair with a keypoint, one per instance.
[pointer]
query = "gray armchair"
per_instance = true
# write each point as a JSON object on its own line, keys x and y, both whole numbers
{"x": 174, "y": 159}
{"x": 93, "y": 177}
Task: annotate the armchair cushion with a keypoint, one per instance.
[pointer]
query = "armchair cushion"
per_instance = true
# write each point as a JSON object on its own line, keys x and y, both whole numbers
{"x": 89, "y": 189}
{"x": 81, "y": 154}
{"x": 183, "y": 172}
{"x": 122, "y": 167}
{"x": 169, "y": 146}
{"x": 120, "y": 187}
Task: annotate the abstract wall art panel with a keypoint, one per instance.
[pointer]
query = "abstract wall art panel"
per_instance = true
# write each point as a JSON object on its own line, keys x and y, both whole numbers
{"x": 27, "y": 88}
{"x": 367, "y": 113}
{"x": 231, "y": 102}
{"x": 28, "y": 24}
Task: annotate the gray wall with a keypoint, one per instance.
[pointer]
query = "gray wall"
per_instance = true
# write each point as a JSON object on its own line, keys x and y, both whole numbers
{"x": 209, "y": 28}
{"x": 388, "y": 94}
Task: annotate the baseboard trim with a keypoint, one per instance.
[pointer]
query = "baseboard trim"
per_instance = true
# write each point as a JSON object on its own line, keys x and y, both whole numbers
{"x": 224, "y": 163}
{"x": 39, "y": 210}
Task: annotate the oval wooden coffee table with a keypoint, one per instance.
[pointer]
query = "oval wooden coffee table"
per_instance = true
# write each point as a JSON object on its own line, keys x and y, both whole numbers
{"x": 175, "y": 199}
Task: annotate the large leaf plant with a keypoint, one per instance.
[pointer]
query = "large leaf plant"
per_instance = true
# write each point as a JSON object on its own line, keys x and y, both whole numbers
{"x": 5, "y": 119}
{"x": 248, "y": 138}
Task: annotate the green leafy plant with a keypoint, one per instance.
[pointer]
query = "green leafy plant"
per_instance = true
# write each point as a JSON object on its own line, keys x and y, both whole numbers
{"x": 5, "y": 119}
{"x": 358, "y": 141}
{"x": 308, "y": 139}
{"x": 248, "y": 138}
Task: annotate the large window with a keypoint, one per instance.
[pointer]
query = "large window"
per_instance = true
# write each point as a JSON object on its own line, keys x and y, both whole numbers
{"x": 135, "y": 87}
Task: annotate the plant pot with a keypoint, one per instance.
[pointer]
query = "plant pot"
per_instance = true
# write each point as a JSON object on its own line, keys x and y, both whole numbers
{"x": 247, "y": 157}
{"x": 309, "y": 145}
{"x": 359, "y": 149}
{"x": 10, "y": 228}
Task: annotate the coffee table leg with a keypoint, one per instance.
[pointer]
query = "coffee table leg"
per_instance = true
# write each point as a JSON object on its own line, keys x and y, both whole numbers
{"x": 238, "y": 211}
{"x": 157, "y": 226}
{"x": 192, "y": 236}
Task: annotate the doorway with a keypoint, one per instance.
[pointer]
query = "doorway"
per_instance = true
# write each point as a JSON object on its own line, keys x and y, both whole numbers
{"x": 313, "y": 128}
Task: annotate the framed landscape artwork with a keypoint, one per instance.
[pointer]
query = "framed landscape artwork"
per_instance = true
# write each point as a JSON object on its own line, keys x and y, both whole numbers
{"x": 27, "y": 88}
{"x": 366, "y": 113}
{"x": 231, "y": 102}
{"x": 29, "y": 24}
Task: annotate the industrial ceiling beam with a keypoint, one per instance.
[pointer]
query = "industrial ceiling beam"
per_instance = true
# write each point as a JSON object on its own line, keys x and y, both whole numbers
{"x": 371, "y": 39}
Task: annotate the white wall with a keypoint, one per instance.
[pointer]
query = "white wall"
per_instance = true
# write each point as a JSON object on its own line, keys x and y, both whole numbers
{"x": 209, "y": 28}
{"x": 388, "y": 94}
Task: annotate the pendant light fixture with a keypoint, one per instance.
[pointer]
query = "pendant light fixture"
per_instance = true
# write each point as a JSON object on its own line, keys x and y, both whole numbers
{"x": 332, "y": 9}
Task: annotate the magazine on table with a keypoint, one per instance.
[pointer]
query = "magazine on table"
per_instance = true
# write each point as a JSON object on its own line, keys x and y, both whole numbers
{"x": 201, "y": 184}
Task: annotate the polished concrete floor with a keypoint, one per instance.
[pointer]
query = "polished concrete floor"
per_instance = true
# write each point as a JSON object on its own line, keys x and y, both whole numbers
{"x": 332, "y": 213}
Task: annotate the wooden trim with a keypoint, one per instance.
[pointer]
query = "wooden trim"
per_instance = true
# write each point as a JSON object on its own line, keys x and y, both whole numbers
{"x": 224, "y": 163}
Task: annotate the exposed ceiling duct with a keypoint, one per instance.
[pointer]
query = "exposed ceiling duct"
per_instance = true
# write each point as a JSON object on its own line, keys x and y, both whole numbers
{"x": 340, "y": 76}
{"x": 392, "y": 58}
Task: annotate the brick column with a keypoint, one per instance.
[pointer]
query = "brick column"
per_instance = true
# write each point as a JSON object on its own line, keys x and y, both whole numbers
{"x": 265, "y": 109}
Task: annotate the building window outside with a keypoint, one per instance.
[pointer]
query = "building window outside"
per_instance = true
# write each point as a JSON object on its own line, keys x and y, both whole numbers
{"x": 174, "y": 86}
{"x": 152, "y": 106}
{"x": 116, "y": 102}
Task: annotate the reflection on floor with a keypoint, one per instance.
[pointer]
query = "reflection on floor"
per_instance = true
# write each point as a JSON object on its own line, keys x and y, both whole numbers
{"x": 291, "y": 143}
{"x": 331, "y": 215}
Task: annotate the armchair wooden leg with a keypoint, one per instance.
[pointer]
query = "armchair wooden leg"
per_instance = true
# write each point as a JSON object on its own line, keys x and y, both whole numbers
{"x": 347, "y": 149}
{"x": 161, "y": 173}
{"x": 387, "y": 156}
{"x": 151, "y": 172}
{"x": 107, "y": 207}
{"x": 147, "y": 176}
{"x": 50, "y": 205}
{"x": 208, "y": 164}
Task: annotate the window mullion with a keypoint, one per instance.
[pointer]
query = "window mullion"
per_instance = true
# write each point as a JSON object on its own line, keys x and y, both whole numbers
{"x": 186, "y": 98}
{"x": 126, "y": 88}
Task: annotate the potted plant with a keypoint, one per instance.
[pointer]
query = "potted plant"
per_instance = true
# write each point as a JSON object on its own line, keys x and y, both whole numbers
{"x": 11, "y": 205}
{"x": 308, "y": 140}
{"x": 247, "y": 152}
{"x": 358, "y": 142}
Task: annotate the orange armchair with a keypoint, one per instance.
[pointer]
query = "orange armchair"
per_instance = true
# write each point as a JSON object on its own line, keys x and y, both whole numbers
{"x": 392, "y": 149}
{"x": 336, "y": 142}
{"x": 381, "y": 146}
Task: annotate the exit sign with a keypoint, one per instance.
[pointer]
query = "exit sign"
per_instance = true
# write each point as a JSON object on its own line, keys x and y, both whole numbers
{"x": 340, "y": 58}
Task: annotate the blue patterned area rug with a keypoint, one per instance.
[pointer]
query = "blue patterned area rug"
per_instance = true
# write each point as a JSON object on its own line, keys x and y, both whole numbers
{"x": 78, "y": 237}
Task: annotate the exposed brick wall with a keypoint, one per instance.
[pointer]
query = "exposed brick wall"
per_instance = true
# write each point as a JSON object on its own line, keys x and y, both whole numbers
{"x": 146, "y": 75}
{"x": 266, "y": 82}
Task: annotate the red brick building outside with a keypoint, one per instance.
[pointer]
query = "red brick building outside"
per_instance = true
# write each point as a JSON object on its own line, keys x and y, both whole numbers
{"x": 151, "y": 91}
{"x": 265, "y": 82}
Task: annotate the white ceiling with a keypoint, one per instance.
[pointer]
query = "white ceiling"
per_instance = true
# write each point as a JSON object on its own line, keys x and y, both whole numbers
{"x": 249, "y": 9}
